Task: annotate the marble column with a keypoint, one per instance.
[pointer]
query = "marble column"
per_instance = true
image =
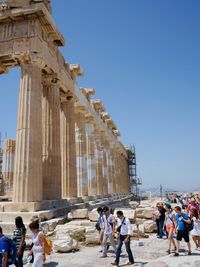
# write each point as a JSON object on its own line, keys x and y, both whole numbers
{"x": 51, "y": 154}
{"x": 68, "y": 148}
{"x": 105, "y": 165}
{"x": 81, "y": 152}
{"x": 113, "y": 170}
{"x": 8, "y": 166}
{"x": 27, "y": 185}
{"x": 99, "y": 161}
{"x": 91, "y": 163}
{"x": 110, "y": 172}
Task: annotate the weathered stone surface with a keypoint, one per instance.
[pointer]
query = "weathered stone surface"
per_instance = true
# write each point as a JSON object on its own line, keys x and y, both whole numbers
{"x": 65, "y": 245}
{"x": 149, "y": 226}
{"x": 157, "y": 264}
{"x": 92, "y": 238}
{"x": 128, "y": 212}
{"x": 135, "y": 229}
{"x": 144, "y": 213}
{"x": 93, "y": 215}
{"x": 79, "y": 214}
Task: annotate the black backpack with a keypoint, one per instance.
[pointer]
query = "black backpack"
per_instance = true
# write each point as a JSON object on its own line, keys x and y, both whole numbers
{"x": 189, "y": 226}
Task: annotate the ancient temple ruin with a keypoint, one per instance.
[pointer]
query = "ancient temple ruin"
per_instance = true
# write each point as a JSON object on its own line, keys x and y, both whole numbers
{"x": 66, "y": 143}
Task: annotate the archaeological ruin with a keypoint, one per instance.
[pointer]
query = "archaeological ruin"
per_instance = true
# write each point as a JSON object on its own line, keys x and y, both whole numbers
{"x": 66, "y": 144}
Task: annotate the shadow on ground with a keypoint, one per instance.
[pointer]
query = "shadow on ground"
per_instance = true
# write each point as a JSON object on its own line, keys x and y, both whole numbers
{"x": 51, "y": 264}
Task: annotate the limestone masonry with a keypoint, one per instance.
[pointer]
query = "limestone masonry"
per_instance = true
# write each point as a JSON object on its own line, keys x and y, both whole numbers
{"x": 66, "y": 143}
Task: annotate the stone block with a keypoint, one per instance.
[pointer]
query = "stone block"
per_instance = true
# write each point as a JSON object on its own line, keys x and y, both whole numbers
{"x": 145, "y": 213}
{"x": 149, "y": 226}
{"x": 93, "y": 215}
{"x": 79, "y": 214}
{"x": 65, "y": 245}
{"x": 128, "y": 212}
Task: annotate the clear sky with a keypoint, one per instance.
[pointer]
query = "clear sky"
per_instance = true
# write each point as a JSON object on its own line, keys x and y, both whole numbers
{"x": 143, "y": 59}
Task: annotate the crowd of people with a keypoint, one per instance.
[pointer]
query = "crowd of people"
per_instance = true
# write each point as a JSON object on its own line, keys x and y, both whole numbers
{"x": 175, "y": 219}
{"x": 179, "y": 223}
{"x": 115, "y": 230}
{"x": 12, "y": 249}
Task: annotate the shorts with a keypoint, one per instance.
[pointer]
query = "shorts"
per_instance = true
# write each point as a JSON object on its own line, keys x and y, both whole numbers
{"x": 183, "y": 234}
{"x": 170, "y": 228}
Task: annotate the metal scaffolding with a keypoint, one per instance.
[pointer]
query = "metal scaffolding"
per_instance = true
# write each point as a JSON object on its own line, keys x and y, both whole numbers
{"x": 132, "y": 166}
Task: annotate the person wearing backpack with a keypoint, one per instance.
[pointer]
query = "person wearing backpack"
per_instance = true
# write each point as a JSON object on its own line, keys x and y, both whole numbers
{"x": 180, "y": 227}
{"x": 124, "y": 232}
{"x": 38, "y": 248}
{"x": 4, "y": 246}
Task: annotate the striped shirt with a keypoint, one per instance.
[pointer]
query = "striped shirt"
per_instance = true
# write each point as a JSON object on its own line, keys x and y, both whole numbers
{"x": 17, "y": 236}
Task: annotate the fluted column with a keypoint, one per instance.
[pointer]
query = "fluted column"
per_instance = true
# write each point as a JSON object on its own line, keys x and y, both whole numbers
{"x": 91, "y": 163}
{"x": 110, "y": 172}
{"x": 81, "y": 153}
{"x": 28, "y": 158}
{"x": 8, "y": 165}
{"x": 51, "y": 155}
{"x": 99, "y": 161}
{"x": 68, "y": 148}
{"x": 105, "y": 165}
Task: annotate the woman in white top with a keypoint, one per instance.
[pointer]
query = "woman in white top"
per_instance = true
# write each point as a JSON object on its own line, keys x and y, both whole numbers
{"x": 38, "y": 248}
{"x": 169, "y": 223}
{"x": 196, "y": 230}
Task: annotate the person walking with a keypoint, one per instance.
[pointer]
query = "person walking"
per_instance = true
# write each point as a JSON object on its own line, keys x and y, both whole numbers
{"x": 181, "y": 219}
{"x": 109, "y": 230}
{"x": 161, "y": 219}
{"x": 4, "y": 246}
{"x": 38, "y": 248}
{"x": 19, "y": 235}
{"x": 124, "y": 232}
{"x": 169, "y": 224}
{"x": 195, "y": 233}
{"x": 100, "y": 226}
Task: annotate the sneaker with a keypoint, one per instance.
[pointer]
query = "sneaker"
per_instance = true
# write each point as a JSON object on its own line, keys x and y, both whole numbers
{"x": 176, "y": 254}
{"x": 189, "y": 253}
{"x": 130, "y": 263}
{"x": 168, "y": 251}
{"x": 115, "y": 263}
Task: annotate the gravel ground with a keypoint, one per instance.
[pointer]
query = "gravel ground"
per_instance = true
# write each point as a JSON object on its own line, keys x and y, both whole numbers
{"x": 151, "y": 254}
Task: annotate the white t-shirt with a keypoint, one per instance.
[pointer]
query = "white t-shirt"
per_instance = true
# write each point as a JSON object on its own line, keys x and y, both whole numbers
{"x": 196, "y": 229}
{"x": 107, "y": 223}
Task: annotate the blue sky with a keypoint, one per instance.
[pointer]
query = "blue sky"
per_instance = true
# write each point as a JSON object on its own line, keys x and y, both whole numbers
{"x": 143, "y": 59}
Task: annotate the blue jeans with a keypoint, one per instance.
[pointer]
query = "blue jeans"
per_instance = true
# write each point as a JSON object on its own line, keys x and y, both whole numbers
{"x": 128, "y": 249}
{"x": 161, "y": 222}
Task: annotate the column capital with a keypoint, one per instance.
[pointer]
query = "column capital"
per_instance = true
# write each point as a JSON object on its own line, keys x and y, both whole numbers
{"x": 76, "y": 70}
{"x": 3, "y": 69}
{"x": 50, "y": 79}
{"x": 87, "y": 92}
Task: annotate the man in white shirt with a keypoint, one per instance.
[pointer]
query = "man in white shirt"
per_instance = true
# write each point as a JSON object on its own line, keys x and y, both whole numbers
{"x": 124, "y": 232}
{"x": 109, "y": 230}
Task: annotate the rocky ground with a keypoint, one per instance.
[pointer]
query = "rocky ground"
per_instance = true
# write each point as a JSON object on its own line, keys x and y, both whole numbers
{"x": 151, "y": 254}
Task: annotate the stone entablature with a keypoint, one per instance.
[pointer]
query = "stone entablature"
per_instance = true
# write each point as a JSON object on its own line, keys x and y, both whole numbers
{"x": 66, "y": 144}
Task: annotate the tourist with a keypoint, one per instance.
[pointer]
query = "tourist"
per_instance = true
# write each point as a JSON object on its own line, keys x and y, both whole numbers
{"x": 100, "y": 226}
{"x": 195, "y": 233}
{"x": 169, "y": 224}
{"x": 4, "y": 246}
{"x": 109, "y": 230}
{"x": 181, "y": 219}
{"x": 124, "y": 232}
{"x": 155, "y": 217}
{"x": 38, "y": 245}
{"x": 161, "y": 219}
{"x": 192, "y": 206}
{"x": 19, "y": 235}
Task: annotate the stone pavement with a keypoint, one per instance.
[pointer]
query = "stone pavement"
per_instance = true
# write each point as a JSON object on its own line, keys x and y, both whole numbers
{"x": 152, "y": 254}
